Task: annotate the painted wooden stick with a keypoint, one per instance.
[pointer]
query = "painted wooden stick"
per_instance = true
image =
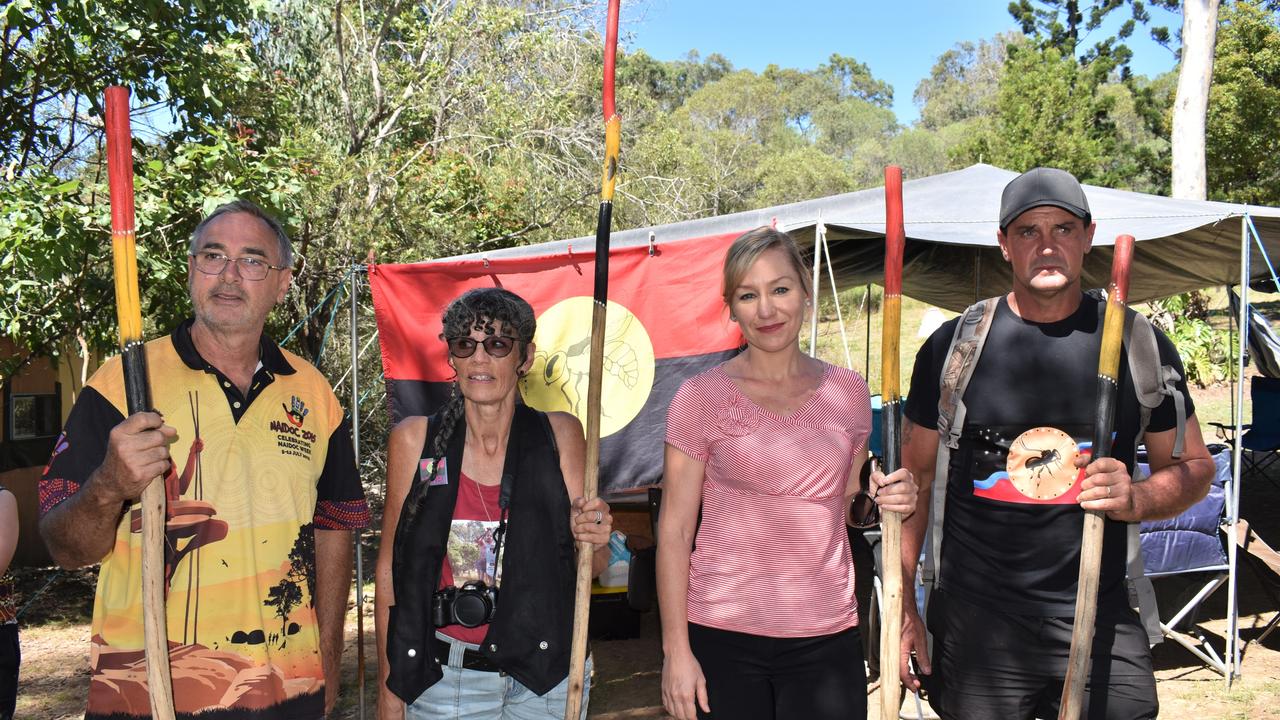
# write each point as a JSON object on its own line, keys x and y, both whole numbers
{"x": 891, "y": 415}
{"x": 591, "y": 473}
{"x": 137, "y": 393}
{"x": 1091, "y": 543}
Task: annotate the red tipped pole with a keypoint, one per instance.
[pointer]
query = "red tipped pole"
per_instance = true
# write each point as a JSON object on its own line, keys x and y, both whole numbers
{"x": 891, "y": 414}
{"x": 591, "y": 474}
{"x": 124, "y": 251}
{"x": 1091, "y": 543}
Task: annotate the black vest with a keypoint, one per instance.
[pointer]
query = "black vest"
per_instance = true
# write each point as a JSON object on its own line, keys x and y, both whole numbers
{"x": 530, "y": 634}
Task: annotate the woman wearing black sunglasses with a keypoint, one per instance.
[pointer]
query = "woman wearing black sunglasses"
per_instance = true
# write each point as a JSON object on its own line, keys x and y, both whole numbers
{"x": 484, "y": 502}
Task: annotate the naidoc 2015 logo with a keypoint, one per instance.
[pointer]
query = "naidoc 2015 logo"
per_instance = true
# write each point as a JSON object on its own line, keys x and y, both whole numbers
{"x": 290, "y": 437}
{"x": 557, "y": 380}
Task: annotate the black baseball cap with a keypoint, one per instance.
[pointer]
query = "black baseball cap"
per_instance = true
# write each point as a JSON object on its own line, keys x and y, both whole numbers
{"x": 1043, "y": 186}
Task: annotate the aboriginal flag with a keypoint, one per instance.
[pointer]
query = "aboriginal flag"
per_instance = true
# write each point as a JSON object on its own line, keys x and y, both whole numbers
{"x": 666, "y": 322}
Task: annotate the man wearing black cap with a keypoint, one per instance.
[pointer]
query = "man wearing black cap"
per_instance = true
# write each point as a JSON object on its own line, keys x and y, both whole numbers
{"x": 1018, "y": 477}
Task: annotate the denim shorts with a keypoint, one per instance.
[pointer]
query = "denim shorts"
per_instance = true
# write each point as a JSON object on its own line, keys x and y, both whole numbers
{"x": 479, "y": 695}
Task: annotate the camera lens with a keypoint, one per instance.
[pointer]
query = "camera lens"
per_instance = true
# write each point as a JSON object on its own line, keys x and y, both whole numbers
{"x": 471, "y": 609}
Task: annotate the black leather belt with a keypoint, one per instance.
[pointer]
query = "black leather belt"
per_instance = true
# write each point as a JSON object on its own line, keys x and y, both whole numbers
{"x": 471, "y": 659}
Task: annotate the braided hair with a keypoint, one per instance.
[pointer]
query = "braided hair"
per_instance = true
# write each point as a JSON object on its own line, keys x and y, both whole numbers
{"x": 477, "y": 309}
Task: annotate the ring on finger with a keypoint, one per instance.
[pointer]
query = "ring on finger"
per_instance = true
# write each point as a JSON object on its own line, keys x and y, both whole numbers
{"x": 599, "y": 517}
{"x": 1108, "y": 487}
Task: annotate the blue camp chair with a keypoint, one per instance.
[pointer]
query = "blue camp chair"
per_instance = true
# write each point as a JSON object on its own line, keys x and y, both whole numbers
{"x": 1190, "y": 546}
{"x": 1261, "y": 437}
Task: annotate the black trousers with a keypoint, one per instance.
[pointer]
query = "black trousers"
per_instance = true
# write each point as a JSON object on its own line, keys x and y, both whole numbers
{"x": 992, "y": 665}
{"x": 752, "y": 677}
{"x": 10, "y": 658}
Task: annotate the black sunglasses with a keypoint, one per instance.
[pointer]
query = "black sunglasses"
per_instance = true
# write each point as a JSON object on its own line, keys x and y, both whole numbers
{"x": 498, "y": 346}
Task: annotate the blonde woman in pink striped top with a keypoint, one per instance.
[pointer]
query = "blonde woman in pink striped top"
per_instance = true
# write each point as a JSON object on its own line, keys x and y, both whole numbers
{"x": 758, "y": 615}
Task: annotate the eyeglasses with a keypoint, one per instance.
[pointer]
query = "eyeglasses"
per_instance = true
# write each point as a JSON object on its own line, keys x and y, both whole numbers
{"x": 250, "y": 268}
{"x": 498, "y": 346}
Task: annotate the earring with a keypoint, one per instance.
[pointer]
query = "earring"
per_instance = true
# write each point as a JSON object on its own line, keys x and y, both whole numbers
{"x": 733, "y": 318}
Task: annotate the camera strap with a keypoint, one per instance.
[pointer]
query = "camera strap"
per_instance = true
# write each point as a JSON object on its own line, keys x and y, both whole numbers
{"x": 504, "y": 505}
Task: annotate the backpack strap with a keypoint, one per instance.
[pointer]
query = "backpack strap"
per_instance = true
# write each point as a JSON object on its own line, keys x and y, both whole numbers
{"x": 1142, "y": 594}
{"x": 1153, "y": 381}
{"x": 962, "y": 357}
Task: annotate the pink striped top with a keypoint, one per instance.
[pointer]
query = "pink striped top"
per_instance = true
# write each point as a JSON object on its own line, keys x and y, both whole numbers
{"x": 772, "y": 554}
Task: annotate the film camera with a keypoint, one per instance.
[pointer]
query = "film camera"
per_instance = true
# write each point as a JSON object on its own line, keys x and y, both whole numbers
{"x": 471, "y": 605}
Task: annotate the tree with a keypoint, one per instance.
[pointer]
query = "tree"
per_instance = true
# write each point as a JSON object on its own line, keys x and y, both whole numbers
{"x": 436, "y": 128}
{"x": 1060, "y": 23}
{"x": 1199, "y": 28}
{"x": 55, "y": 59}
{"x": 1047, "y": 115}
{"x": 963, "y": 82}
{"x": 669, "y": 84}
{"x": 1243, "y": 127}
{"x": 747, "y": 140}
{"x": 286, "y": 595}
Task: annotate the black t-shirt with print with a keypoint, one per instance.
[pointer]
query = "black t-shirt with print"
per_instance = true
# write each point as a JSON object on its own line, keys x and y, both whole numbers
{"x": 1032, "y": 394}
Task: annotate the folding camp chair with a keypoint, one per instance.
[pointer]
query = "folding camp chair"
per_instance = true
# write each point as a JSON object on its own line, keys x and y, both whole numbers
{"x": 1261, "y": 437}
{"x": 1266, "y": 564}
{"x": 1190, "y": 545}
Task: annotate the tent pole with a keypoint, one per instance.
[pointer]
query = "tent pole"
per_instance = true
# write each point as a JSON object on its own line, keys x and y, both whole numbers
{"x": 866, "y": 358}
{"x": 977, "y": 274}
{"x": 1233, "y": 620}
{"x": 835, "y": 295}
{"x": 355, "y": 440}
{"x": 1231, "y": 343}
{"x": 818, "y": 232}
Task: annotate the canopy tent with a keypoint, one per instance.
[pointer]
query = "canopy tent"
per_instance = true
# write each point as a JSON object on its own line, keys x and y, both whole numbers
{"x": 951, "y": 256}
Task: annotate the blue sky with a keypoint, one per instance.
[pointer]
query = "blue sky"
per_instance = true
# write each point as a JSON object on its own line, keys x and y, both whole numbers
{"x": 899, "y": 39}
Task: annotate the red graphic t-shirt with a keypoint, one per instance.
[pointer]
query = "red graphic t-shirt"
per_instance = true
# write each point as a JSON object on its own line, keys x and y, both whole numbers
{"x": 472, "y": 555}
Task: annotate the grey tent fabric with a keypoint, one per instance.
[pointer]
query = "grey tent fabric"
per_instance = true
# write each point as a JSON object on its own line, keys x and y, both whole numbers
{"x": 1264, "y": 346}
{"x": 952, "y": 257}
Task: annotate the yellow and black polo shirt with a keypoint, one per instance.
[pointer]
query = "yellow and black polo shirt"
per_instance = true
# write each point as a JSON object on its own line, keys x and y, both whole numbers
{"x": 251, "y": 477}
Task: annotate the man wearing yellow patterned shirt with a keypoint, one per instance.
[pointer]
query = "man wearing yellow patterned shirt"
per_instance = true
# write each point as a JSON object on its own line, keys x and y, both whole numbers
{"x": 262, "y": 495}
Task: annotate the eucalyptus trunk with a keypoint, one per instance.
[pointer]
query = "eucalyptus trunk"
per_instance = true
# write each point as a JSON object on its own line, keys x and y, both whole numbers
{"x": 1199, "y": 34}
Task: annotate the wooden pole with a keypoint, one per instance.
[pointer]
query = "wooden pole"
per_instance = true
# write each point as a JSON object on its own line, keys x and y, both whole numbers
{"x": 137, "y": 393}
{"x": 1091, "y": 544}
{"x": 591, "y": 474}
{"x": 891, "y": 414}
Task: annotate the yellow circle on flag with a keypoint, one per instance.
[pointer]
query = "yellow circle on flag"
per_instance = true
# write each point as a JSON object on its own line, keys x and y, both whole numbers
{"x": 557, "y": 380}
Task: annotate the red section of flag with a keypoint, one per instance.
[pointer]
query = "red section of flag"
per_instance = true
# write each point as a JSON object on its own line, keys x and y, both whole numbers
{"x": 675, "y": 293}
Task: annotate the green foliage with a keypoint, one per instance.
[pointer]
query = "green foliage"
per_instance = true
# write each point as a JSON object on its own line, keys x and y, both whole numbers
{"x": 963, "y": 82}
{"x": 55, "y": 238}
{"x": 748, "y": 140}
{"x": 668, "y": 84}
{"x": 190, "y": 61}
{"x": 418, "y": 129}
{"x": 1062, "y": 24}
{"x": 56, "y": 56}
{"x": 1205, "y": 351}
{"x": 1242, "y": 134}
{"x": 1047, "y": 114}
